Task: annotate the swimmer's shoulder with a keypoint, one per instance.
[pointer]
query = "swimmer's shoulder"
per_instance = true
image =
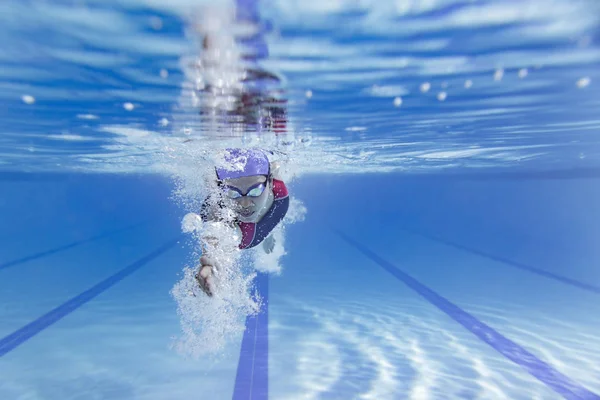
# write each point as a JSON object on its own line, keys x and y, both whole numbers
{"x": 279, "y": 188}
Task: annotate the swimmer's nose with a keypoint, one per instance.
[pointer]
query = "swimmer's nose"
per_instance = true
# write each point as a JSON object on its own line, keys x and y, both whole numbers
{"x": 245, "y": 202}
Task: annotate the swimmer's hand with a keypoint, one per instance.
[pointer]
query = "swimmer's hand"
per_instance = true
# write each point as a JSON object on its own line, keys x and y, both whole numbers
{"x": 191, "y": 222}
{"x": 205, "y": 275}
{"x": 269, "y": 244}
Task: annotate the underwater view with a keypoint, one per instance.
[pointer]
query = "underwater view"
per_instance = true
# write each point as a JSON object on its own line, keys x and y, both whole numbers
{"x": 271, "y": 199}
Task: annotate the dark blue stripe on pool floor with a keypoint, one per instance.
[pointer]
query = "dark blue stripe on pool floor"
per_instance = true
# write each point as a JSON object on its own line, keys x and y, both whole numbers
{"x": 18, "y": 337}
{"x": 511, "y": 263}
{"x": 252, "y": 378}
{"x": 544, "y": 372}
{"x": 67, "y": 246}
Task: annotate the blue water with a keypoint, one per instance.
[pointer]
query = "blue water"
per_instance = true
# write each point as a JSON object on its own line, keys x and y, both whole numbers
{"x": 446, "y": 155}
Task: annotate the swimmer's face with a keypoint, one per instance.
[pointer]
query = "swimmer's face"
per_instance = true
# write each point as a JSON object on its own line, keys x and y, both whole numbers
{"x": 249, "y": 194}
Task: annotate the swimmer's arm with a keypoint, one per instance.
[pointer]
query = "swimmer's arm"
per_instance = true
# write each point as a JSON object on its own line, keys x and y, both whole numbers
{"x": 192, "y": 222}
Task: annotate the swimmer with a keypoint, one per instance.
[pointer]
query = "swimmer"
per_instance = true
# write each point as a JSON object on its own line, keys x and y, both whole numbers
{"x": 251, "y": 187}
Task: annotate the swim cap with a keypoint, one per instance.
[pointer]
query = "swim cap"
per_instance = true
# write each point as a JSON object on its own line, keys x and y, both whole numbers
{"x": 237, "y": 163}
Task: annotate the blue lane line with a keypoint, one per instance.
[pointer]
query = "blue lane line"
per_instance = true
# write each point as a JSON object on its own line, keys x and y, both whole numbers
{"x": 252, "y": 378}
{"x": 544, "y": 372}
{"x": 25, "y": 333}
{"x": 538, "y": 271}
{"x": 261, "y": 358}
{"x": 41, "y": 254}
{"x": 243, "y": 379}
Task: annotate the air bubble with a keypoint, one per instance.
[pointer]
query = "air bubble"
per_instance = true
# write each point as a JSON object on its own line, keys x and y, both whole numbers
{"x": 498, "y": 74}
{"x": 27, "y": 99}
{"x": 583, "y": 82}
{"x": 523, "y": 73}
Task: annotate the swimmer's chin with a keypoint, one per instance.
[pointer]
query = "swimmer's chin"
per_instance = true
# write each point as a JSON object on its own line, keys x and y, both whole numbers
{"x": 247, "y": 217}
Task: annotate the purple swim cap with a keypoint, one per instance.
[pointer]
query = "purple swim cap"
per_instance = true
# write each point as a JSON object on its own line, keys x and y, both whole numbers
{"x": 238, "y": 163}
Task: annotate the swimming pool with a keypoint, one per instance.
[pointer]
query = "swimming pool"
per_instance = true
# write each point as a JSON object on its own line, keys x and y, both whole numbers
{"x": 442, "y": 160}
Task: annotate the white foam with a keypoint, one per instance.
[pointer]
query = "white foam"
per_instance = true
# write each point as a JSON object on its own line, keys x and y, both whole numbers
{"x": 191, "y": 223}
{"x": 209, "y": 324}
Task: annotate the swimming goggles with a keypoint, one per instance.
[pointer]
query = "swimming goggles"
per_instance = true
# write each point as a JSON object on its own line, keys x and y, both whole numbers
{"x": 254, "y": 191}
